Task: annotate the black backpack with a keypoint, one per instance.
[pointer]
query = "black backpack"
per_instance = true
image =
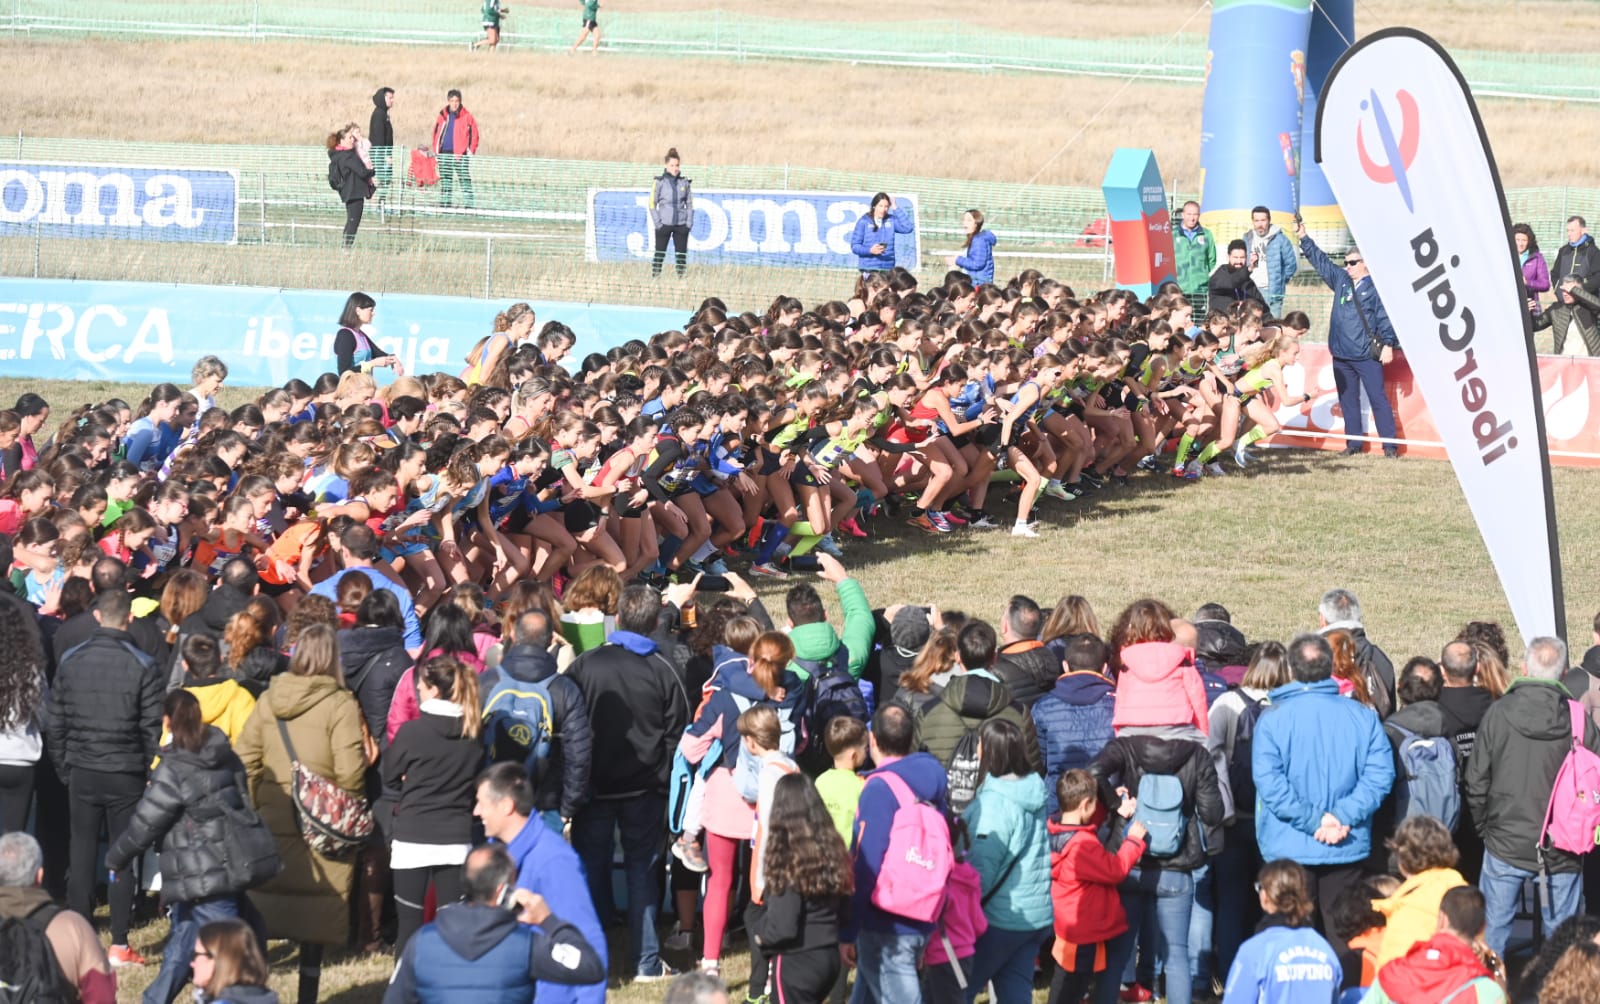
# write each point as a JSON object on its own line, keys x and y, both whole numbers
{"x": 834, "y": 692}
{"x": 1240, "y": 781}
{"x": 29, "y": 972}
{"x": 963, "y": 771}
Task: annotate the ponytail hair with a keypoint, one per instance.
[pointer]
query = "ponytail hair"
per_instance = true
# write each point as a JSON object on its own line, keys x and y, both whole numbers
{"x": 458, "y": 683}
{"x": 183, "y": 713}
{"x": 769, "y": 657}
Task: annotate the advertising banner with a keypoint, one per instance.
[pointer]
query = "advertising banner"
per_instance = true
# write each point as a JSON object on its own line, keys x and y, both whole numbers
{"x": 1141, "y": 226}
{"x": 147, "y": 332}
{"x": 195, "y": 205}
{"x": 1401, "y": 143}
{"x": 791, "y": 229}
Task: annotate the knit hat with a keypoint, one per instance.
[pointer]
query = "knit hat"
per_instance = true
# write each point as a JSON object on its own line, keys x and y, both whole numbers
{"x": 910, "y": 630}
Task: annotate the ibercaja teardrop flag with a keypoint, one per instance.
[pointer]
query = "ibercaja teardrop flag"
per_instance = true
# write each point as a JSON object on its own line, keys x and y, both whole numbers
{"x": 1400, "y": 141}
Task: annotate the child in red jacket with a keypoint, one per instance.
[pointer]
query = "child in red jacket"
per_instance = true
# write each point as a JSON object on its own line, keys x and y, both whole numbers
{"x": 1083, "y": 888}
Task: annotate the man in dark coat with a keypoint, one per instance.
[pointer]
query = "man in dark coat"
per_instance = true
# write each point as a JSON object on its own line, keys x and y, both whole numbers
{"x": 380, "y": 133}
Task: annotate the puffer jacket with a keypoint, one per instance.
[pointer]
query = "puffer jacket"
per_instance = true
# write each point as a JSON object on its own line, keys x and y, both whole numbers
{"x": 1316, "y": 752}
{"x": 1413, "y": 911}
{"x": 1028, "y": 669}
{"x": 1179, "y": 751}
{"x": 1159, "y": 685}
{"x": 671, "y": 201}
{"x": 183, "y": 810}
{"x": 105, "y": 707}
{"x": 1011, "y": 851}
{"x": 563, "y": 785}
{"x": 969, "y": 700}
{"x": 1073, "y": 722}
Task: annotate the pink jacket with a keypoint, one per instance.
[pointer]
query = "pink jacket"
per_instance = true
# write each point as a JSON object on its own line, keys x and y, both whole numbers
{"x": 1159, "y": 685}
{"x": 404, "y": 707}
{"x": 724, "y": 811}
{"x": 961, "y": 922}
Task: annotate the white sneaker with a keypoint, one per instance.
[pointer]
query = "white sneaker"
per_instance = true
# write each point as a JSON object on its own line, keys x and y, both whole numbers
{"x": 1215, "y": 469}
{"x": 1024, "y": 530}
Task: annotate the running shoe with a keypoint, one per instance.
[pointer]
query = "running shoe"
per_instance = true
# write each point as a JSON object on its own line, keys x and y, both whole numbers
{"x": 1092, "y": 480}
{"x": 1242, "y": 455}
{"x": 1215, "y": 469}
{"x": 853, "y": 528}
{"x": 1133, "y": 993}
{"x": 1075, "y": 489}
{"x": 711, "y": 967}
{"x": 953, "y": 519}
{"x": 768, "y": 570}
{"x": 924, "y": 524}
{"x": 827, "y": 545}
{"x": 752, "y": 540}
{"x": 1180, "y": 471}
{"x": 1024, "y": 530}
{"x": 121, "y": 956}
{"x": 1193, "y": 470}
{"x": 1188, "y": 472}
{"x": 667, "y": 973}
{"x": 939, "y": 522}
{"x": 716, "y": 566}
{"x": 1055, "y": 491}
{"x": 690, "y": 854}
{"x": 1150, "y": 463}
{"x": 984, "y": 521}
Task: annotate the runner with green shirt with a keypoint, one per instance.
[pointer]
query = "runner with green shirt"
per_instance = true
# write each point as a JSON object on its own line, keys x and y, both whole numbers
{"x": 591, "y": 23}
{"x": 493, "y": 12}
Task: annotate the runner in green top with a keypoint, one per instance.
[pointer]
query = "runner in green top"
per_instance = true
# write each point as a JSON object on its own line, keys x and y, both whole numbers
{"x": 493, "y": 12}
{"x": 591, "y": 23}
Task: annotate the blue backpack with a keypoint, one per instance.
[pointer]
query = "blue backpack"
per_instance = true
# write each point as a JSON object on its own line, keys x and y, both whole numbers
{"x": 1161, "y": 811}
{"x": 1426, "y": 785}
{"x": 517, "y": 723}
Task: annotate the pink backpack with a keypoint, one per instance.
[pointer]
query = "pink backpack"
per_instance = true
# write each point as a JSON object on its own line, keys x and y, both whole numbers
{"x": 1572, "y": 820}
{"x": 917, "y": 864}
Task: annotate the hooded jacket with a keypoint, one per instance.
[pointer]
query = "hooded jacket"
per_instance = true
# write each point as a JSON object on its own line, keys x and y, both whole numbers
{"x": 478, "y": 952}
{"x": 637, "y": 712}
{"x": 309, "y": 900}
{"x": 380, "y": 131}
{"x": 1316, "y": 752}
{"x": 1028, "y": 669}
{"x": 1464, "y": 708}
{"x": 1413, "y": 911}
{"x": 1284, "y": 965}
{"x": 374, "y": 659}
{"x": 1520, "y": 745}
{"x": 1159, "y": 685}
{"x": 1435, "y": 971}
{"x": 105, "y": 707}
{"x": 817, "y": 642}
{"x": 1231, "y": 285}
{"x": 434, "y": 766}
{"x": 869, "y": 232}
{"x": 224, "y": 703}
{"x": 978, "y": 259}
{"x": 926, "y": 778}
{"x": 1281, "y": 262}
{"x": 349, "y": 174}
{"x": 547, "y": 865}
{"x": 1179, "y": 751}
{"x": 1083, "y": 886}
{"x": 182, "y": 812}
{"x": 1011, "y": 851}
{"x": 1073, "y": 723}
{"x": 563, "y": 785}
{"x": 969, "y": 700}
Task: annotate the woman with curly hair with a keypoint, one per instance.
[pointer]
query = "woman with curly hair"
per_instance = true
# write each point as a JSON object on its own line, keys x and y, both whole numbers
{"x": 1572, "y": 931}
{"x": 1427, "y": 858}
{"x": 22, "y": 698}
{"x": 807, "y": 881}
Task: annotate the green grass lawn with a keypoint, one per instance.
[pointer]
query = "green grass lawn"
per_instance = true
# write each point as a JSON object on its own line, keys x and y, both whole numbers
{"x": 1265, "y": 542}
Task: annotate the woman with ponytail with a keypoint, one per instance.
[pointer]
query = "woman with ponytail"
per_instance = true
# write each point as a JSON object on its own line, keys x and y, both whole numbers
{"x": 487, "y": 362}
{"x": 433, "y": 763}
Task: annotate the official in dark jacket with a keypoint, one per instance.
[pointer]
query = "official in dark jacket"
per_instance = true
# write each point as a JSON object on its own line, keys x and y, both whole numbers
{"x": 196, "y": 809}
{"x": 1358, "y": 317}
{"x": 380, "y": 133}
{"x": 1578, "y": 257}
{"x": 492, "y": 948}
{"x": 563, "y": 784}
{"x": 1520, "y": 745}
{"x": 103, "y": 730}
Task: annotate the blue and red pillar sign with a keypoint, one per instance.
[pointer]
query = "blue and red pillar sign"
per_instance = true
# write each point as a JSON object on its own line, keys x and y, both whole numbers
{"x": 1141, "y": 226}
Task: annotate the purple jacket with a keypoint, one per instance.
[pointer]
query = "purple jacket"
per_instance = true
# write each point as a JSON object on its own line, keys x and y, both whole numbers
{"x": 1536, "y": 276}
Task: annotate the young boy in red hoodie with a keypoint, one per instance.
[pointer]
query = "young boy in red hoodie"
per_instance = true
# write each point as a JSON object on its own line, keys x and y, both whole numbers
{"x": 1083, "y": 888}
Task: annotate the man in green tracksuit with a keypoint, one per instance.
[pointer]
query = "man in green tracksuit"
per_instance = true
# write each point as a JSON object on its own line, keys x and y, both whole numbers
{"x": 1195, "y": 254}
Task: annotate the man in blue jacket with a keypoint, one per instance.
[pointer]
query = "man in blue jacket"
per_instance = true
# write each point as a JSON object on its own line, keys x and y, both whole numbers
{"x": 1322, "y": 766}
{"x": 1272, "y": 261}
{"x": 546, "y": 866}
{"x": 886, "y": 949}
{"x": 1357, "y": 318}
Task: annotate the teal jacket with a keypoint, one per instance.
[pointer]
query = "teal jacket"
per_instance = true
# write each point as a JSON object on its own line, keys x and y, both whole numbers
{"x": 818, "y": 642}
{"x": 1006, "y": 823}
{"x": 1195, "y": 254}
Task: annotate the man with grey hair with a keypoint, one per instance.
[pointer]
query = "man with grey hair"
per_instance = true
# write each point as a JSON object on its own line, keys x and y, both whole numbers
{"x": 1521, "y": 743}
{"x": 696, "y": 988}
{"x": 72, "y": 940}
{"x": 1341, "y": 611}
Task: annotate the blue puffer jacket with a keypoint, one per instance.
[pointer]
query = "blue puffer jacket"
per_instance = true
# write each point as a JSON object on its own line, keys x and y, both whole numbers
{"x": 978, "y": 262}
{"x": 1006, "y": 822}
{"x": 869, "y": 232}
{"x": 1347, "y": 335}
{"x": 1074, "y": 724}
{"x": 1316, "y": 752}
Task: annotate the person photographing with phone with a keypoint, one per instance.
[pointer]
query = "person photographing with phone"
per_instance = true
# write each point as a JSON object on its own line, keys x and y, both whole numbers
{"x": 873, "y": 240}
{"x": 499, "y": 941}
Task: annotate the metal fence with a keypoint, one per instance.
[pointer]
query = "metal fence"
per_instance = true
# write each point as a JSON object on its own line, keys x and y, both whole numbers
{"x": 737, "y": 35}
{"x": 526, "y": 235}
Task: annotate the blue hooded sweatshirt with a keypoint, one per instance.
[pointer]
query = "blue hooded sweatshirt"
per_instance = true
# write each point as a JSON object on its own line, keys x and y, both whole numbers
{"x": 547, "y": 865}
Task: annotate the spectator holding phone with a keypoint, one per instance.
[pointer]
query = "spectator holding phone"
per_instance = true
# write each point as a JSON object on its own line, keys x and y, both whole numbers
{"x": 873, "y": 240}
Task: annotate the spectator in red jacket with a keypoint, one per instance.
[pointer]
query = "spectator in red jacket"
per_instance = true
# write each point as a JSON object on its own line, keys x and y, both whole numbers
{"x": 455, "y": 138}
{"x": 1083, "y": 889}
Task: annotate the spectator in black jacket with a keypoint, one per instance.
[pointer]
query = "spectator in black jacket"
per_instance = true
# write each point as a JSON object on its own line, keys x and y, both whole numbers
{"x": 110, "y": 574}
{"x": 1578, "y": 257}
{"x": 638, "y": 709}
{"x": 197, "y": 790}
{"x": 104, "y": 727}
{"x": 1464, "y": 703}
{"x": 1023, "y": 664}
{"x": 1419, "y": 714}
{"x": 1341, "y": 611}
{"x": 563, "y": 785}
{"x": 380, "y": 133}
{"x": 236, "y": 585}
{"x": 1231, "y": 282}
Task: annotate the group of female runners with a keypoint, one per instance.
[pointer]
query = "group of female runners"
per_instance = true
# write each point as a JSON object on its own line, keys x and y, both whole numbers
{"x": 743, "y": 435}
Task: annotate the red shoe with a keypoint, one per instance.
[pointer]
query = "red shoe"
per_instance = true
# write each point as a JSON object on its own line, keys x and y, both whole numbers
{"x": 1133, "y": 993}
{"x": 853, "y": 528}
{"x": 122, "y": 955}
{"x": 753, "y": 539}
